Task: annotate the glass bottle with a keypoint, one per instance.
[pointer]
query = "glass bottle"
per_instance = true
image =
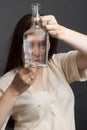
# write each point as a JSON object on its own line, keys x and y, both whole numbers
{"x": 35, "y": 41}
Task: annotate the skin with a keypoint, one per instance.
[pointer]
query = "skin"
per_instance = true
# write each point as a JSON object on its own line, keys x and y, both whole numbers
{"x": 68, "y": 36}
{"x": 22, "y": 82}
{"x": 37, "y": 49}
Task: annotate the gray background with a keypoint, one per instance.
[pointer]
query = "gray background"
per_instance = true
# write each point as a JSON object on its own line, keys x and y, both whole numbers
{"x": 70, "y": 13}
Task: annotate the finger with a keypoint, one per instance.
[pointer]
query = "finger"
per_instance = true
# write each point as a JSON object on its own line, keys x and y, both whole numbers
{"x": 51, "y": 29}
{"x": 48, "y": 18}
{"x": 29, "y": 80}
{"x": 45, "y": 18}
{"x": 24, "y": 71}
{"x": 27, "y": 75}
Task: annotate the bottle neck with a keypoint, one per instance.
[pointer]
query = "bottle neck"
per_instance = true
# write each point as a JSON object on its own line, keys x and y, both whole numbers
{"x": 36, "y": 15}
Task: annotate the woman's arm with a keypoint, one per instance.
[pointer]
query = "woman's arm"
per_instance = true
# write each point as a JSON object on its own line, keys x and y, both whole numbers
{"x": 74, "y": 39}
{"x": 79, "y": 42}
{"x": 7, "y": 102}
{"x": 20, "y": 83}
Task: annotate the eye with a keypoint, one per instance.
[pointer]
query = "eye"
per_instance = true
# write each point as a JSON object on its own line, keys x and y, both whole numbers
{"x": 42, "y": 44}
{"x": 31, "y": 44}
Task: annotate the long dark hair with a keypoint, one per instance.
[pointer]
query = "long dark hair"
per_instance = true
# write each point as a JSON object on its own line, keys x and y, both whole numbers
{"x": 15, "y": 54}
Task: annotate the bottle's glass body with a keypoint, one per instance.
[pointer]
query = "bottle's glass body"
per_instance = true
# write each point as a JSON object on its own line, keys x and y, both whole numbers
{"x": 35, "y": 42}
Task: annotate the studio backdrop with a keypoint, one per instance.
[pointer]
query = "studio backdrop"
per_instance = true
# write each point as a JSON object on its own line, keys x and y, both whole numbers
{"x": 70, "y": 13}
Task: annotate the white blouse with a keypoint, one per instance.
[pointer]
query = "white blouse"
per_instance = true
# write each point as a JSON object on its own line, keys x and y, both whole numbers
{"x": 52, "y": 108}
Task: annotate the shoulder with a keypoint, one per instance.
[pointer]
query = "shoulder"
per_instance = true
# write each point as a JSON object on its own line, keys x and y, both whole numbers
{"x": 6, "y": 79}
{"x": 7, "y": 75}
{"x": 61, "y": 57}
{"x": 60, "y": 60}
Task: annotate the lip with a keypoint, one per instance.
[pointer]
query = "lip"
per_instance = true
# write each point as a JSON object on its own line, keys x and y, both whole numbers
{"x": 37, "y": 60}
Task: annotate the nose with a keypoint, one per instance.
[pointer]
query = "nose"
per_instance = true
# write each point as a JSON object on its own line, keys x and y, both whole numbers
{"x": 36, "y": 51}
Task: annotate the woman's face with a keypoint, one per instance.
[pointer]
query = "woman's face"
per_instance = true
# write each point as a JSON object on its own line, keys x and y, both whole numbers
{"x": 35, "y": 49}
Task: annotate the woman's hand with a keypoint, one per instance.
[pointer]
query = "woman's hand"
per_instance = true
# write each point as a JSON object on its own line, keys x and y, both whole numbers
{"x": 21, "y": 82}
{"x": 68, "y": 36}
{"x": 50, "y": 24}
{"x": 23, "y": 79}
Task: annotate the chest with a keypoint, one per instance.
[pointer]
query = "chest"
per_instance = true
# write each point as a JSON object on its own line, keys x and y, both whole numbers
{"x": 33, "y": 106}
{"x": 38, "y": 83}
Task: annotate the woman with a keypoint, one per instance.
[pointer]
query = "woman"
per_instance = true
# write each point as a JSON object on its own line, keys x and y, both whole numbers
{"x": 45, "y": 101}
